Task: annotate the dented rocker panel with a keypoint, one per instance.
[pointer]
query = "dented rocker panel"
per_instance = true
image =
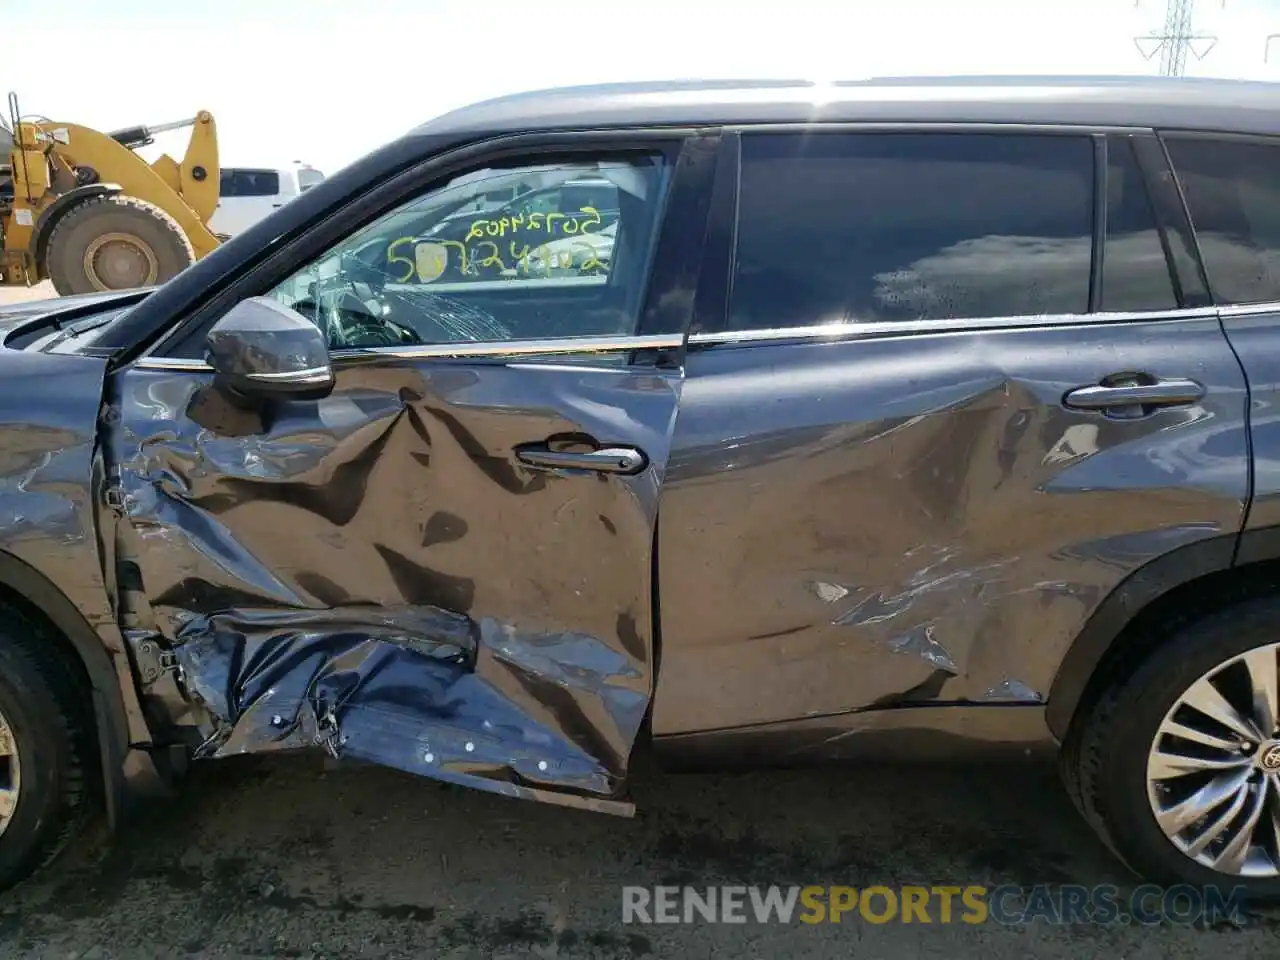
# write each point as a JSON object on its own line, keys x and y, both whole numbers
{"x": 376, "y": 573}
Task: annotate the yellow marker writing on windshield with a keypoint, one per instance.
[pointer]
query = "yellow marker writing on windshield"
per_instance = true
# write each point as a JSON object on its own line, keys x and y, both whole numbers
{"x": 569, "y": 224}
{"x": 392, "y": 258}
{"x": 493, "y": 260}
{"x": 431, "y": 260}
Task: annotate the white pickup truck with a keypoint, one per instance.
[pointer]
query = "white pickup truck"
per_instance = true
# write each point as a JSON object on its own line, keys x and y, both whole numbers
{"x": 247, "y": 194}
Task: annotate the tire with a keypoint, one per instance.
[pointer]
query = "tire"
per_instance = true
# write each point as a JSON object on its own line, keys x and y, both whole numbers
{"x": 1105, "y": 755}
{"x": 41, "y": 706}
{"x": 148, "y": 247}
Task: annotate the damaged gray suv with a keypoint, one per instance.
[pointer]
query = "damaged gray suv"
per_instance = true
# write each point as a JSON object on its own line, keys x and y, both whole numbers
{"x": 921, "y": 417}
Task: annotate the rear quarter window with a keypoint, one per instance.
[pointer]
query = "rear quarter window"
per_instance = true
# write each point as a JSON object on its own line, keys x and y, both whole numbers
{"x": 1232, "y": 191}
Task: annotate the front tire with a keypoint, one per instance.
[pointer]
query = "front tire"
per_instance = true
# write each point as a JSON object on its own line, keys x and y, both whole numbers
{"x": 115, "y": 242}
{"x": 1177, "y": 763}
{"x": 42, "y": 785}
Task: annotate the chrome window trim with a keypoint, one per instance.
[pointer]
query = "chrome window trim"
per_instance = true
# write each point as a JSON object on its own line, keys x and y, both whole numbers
{"x": 496, "y": 349}
{"x": 815, "y": 332}
{"x": 516, "y": 348}
{"x": 1249, "y": 309}
{"x": 844, "y": 331}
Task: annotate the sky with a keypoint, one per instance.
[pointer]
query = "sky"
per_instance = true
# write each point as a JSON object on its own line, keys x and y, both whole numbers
{"x": 325, "y": 81}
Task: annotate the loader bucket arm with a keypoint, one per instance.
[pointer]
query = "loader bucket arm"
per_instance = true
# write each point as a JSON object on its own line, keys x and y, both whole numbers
{"x": 79, "y": 146}
{"x": 197, "y": 177}
{"x": 199, "y": 168}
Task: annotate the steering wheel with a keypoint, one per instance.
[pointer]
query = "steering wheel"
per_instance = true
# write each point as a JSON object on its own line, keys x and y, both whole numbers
{"x": 352, "y": 313}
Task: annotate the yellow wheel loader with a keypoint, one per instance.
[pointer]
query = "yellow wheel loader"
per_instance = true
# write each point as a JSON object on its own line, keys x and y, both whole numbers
{"x": 81, "y": 208}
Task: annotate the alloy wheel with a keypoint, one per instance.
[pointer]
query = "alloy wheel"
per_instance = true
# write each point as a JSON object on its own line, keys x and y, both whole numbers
{"x": 10, "y": 774}
{"x": 1213, "y": 770}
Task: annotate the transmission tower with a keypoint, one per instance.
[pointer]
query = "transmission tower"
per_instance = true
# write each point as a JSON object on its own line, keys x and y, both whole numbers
{"x": 1177, "y": 38}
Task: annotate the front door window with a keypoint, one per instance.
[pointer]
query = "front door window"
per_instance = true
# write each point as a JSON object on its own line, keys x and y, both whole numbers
{"x": 562, "y": 252}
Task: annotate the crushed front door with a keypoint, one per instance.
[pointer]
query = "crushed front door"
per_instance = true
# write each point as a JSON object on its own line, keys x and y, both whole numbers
{"x": 380, "y": 572}
{"x": 444, "y": 566}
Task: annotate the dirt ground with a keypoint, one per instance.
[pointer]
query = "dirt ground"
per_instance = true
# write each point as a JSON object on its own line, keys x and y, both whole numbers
{"x": 19, "y": 294}
{"x": 298, "y": 857}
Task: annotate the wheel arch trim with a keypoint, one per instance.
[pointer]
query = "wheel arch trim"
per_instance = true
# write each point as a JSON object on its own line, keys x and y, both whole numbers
{"x": 1137, "y": 593}
{"x": 110, "y": 715}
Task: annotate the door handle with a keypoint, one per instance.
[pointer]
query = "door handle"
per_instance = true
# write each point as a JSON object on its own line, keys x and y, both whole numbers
{"x": 1135, "y": 391}
{"x": 621, "y": 460}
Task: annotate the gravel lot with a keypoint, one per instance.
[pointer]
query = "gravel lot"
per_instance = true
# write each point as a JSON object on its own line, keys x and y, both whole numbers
{"x": 295, "y": 856}
{"x": 18, "y": 294}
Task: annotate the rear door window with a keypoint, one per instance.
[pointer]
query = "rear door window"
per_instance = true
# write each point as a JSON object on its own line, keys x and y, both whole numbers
{"x": 855, "y": 228}
{"x": 1232, "y": 191}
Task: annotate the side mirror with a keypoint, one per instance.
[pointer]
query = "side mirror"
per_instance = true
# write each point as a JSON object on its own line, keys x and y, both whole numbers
{"x": 261, "y": 349}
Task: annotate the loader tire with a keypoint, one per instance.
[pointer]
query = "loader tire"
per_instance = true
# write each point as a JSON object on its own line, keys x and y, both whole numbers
{"x": 115, "y": 242}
